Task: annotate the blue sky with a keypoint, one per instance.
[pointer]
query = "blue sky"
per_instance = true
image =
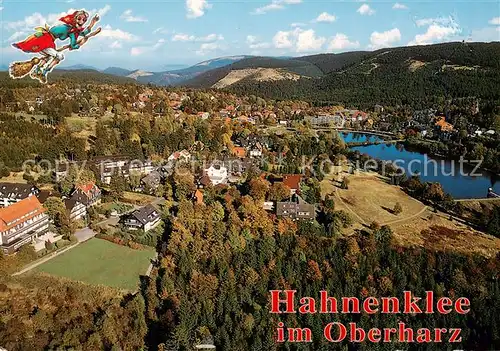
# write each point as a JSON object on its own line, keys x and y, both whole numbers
{"x": 152, "y": 34}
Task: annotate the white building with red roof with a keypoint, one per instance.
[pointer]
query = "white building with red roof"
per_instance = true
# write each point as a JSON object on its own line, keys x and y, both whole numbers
{"x": 21, "y": 223}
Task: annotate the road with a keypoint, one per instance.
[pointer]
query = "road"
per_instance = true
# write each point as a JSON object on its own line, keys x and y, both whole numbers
{"x": 84, "y": 234}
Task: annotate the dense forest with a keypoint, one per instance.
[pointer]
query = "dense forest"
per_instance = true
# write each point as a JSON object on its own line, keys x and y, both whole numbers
{"x": 391, "y": 86}
{"x": 410, "y": 76}
{"x": 44, "y": 313}
{"x": 215, "y": 276}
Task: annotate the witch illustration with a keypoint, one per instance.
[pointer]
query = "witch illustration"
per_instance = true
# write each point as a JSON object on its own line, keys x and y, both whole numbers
{"x": 43, "y": 43}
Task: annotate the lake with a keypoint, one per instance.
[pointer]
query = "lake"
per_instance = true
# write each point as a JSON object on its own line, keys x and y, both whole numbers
{"x": 461, "y": 185}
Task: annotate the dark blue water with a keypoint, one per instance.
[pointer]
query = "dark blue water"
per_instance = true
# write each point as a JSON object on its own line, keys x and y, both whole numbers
{"x": 360, "y": 138}
{"x": 461, "y": 184}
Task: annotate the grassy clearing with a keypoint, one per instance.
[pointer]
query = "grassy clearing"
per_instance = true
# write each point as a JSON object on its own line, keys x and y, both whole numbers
{"x": 16, "y": 177}
{"x": 373, "y": 200}
{"x": 137, "y": 198}
{"x": 370, "y": 199}
{"x": 99, "y": 262}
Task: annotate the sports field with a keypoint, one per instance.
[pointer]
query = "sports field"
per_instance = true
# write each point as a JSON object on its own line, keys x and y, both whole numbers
{"x": 100, "y": 262}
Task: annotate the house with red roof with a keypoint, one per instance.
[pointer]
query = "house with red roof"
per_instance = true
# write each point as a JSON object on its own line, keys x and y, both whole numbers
{"x": 239, "y": 151}
{"x": 88, "y": 194}
{"x": 21, "y": 223}
{"x": 198, "y": 197}
{"x": 293, "y": 182}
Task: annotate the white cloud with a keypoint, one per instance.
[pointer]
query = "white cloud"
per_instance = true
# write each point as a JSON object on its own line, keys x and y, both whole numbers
{"x": 183, "y": 37}
{"x": 129, "y": 17}
{"x": 29, "y": 22}
{"x": 137, "y": 51}
{"x": 325, "y": 17}
{"x": 37, "y": 19}
{"x": 365, "y": 9}
{"x": 196, "y": 8}
{"x": 437, "y": 32}
{"x": 340, "y": 42}
{"x": 487, "y": 34}
{"x": 384, "y": 39}
{"x": 438, "y": 20}
{"x": 116, "y": 45}
{"x": 117, "y": 34}
{"x": 275, "y": 5}
{"x": 297, "y": 24}
{"x": 307, "y": 41}
{"x": 251, "y": 39}
{"x": 281, "y": 40}
{"x": 191, "y": 38}
{"x": 299, "y": 40}
{"x": 15, "y": 36}
{"x": 264, "y": 9}
{"x": 262, "y": 45}
{"x": 161, "y": 30}
{"x": 398, "y": 6}
{"x": 207, "y": 48}
{"x": 254, "y": 43}
{"x": 495, "y": 21}
{"x": 103, "y": 11}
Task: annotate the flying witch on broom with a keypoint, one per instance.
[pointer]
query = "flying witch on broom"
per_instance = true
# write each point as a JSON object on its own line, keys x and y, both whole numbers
{"x": 43, "y": 44}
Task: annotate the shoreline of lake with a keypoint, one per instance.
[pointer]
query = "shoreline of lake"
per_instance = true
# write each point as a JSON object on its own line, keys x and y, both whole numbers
{"x": 447, "y": 173}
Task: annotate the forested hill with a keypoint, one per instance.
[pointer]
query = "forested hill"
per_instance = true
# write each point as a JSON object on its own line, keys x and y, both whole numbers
{"x": 298, "y": 66}
{"x": 328, "y": 63}
{"x": 79, "y": 76}
{"x": 406, "y": 75}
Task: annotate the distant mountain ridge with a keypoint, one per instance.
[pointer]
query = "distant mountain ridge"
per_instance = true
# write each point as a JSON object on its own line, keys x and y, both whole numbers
{"x": 175, "y": 77}
{"x": 78, "y": 67}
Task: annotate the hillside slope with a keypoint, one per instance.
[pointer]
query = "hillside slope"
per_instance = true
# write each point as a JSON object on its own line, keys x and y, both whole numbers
{"x": 256, "y": 74}
{"x": 328, "y": 63}
{"x": 409, "y": 75}
{"x": 293, "y": 66}
{"x": 82, "y": 76}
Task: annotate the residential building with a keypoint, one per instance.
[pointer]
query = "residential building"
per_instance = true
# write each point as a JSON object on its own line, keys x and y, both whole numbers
{"x": 152, "y": 180}
{"x": 109, "y": 166}
{"x": 204, "y": 181}
{"x": 180, "y": 156}
{"x": 255, "y": 152}
{"x": 217, "y": 174}
{"x": 88, "y": 194}
{"x": 21, "y": 223}
{"x": 268, "y": 205}
{"x": 10, "y": 193}
{"x": 76, "y": 210}
{"x": 239, "y": 151}
{"x": 144, "y": 218}
{"x": 293, "y": 182}
{"x": 298, "y": 209}
{"x": 443, "y": 125}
